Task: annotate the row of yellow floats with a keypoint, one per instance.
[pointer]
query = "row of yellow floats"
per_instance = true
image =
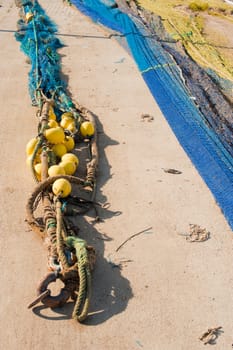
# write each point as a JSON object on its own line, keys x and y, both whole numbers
{"x": 60, "y": 145}
{"x": 52, "y": 159}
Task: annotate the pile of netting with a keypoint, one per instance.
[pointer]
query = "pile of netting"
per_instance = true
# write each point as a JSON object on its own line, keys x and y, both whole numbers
{"x": 62, "y": 188}
{"x": 38, "y": 42}
{"x": 212, "y": 94}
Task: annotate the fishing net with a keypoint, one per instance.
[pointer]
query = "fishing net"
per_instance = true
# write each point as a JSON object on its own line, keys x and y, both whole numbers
{"x": 39, "y": 43}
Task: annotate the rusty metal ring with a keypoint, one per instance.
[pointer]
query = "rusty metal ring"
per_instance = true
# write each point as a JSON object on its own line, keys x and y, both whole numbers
{"x": 53, "y": 301}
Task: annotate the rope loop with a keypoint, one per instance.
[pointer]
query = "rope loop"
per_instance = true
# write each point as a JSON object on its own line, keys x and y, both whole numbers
{"x": 62, "y": 297}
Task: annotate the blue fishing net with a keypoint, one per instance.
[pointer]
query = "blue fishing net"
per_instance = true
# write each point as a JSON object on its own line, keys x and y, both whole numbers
{"x": 211, "y": 154}
{"x": 39, "y": 43}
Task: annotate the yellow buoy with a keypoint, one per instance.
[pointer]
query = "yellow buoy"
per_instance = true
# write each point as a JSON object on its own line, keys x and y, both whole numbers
{"x": 68, "y": 166}
{"x": 59, "y": 149}
{"x": 29, "y": 16}
{"x": 71, "y": 127}
{"x": 67, "y": 115}
{"x": 69, "y": 143}
{"x": 51, "y": 114}
{"x": 56, "y": 170}
{"x": 71, "y": 158}
{"x": 87, "y": 129}
{"x": 62, "y": 188}
{"x": 31, "y": 146}
{"x": 29, "y": 160}
{"x": 55, "y": 135}
{"x": 65, "y": 122}
{"x": 52, "y": 123}
{"x": 38, "y": 169}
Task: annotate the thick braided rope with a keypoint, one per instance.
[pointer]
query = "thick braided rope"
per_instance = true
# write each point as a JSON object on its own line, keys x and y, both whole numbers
{"x": 82, "y": 304}
{"x": 59, "y": 237}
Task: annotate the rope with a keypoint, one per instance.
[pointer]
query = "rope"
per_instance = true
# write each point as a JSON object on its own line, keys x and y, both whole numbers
{"x": 83, "y": 299}
{"x": 82, "y": 304}
{"x": 93, "y": 164}
{"x": 60, "y": 242}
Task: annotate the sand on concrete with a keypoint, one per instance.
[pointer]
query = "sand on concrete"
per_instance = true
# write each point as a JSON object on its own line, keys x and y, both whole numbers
{"x": 168, "y": 291}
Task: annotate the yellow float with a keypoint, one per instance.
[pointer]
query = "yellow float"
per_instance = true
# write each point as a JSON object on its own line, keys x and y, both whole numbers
{"x": 59, "y": 149}
{"x": 67, "y": 115}
{"x": 87, "y": 129}
{"x": 68, "y": 166}
{"x": 51, "y": 114}
{"x": 70, "y": 157}
{"x": 62, "y": 188}
{"x": 55, "y": 135}
{"x": 65, "y": 122}
{"x": 52, "y": 123}
{"x": 69, "y": 143}
{"x": 56, "y": 170}
{"x": 31, "y": 146}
